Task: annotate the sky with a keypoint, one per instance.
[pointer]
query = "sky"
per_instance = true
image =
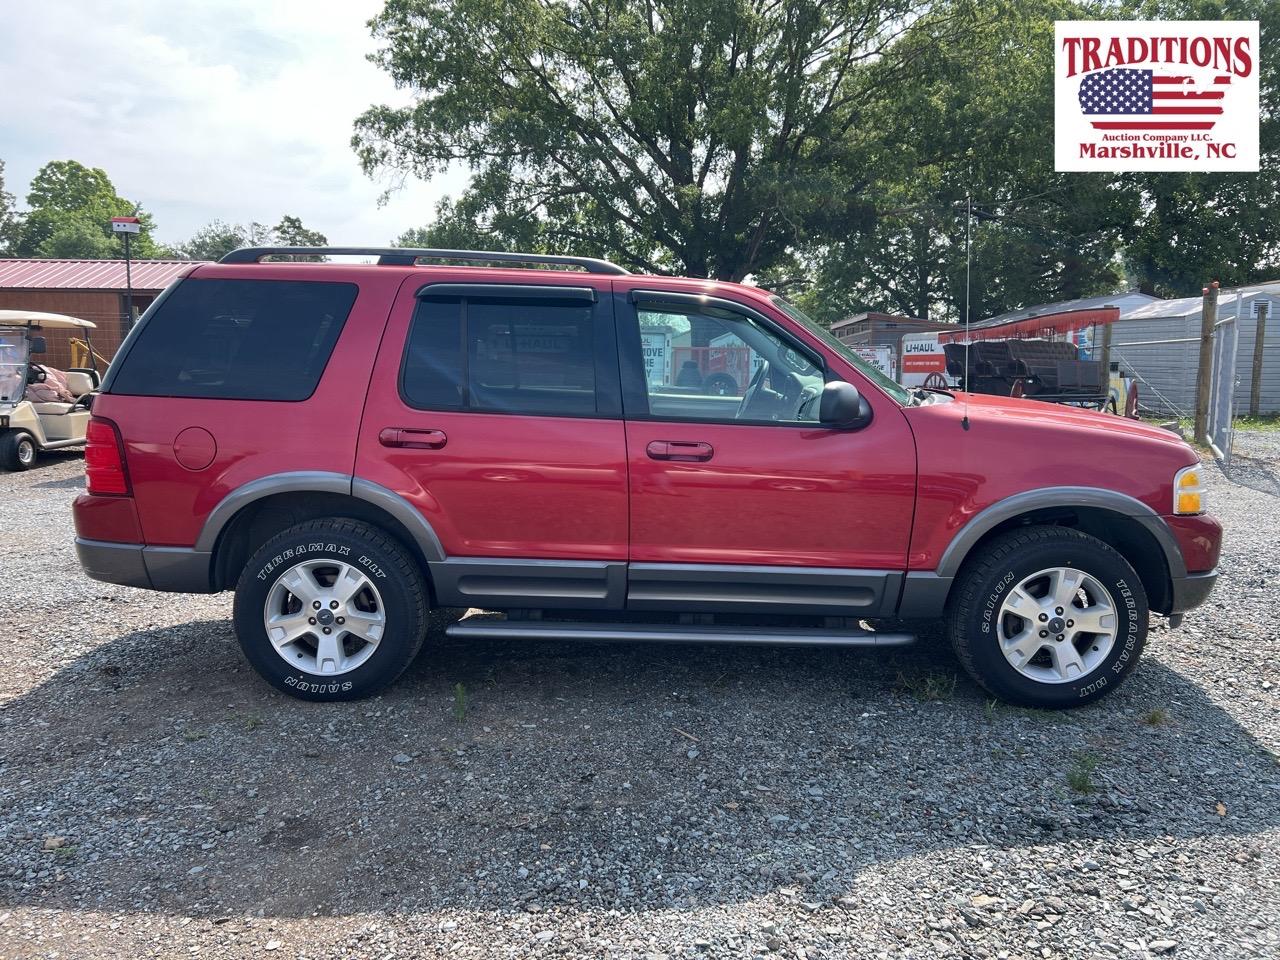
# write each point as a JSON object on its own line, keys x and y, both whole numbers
{"x": 235, "y": 110}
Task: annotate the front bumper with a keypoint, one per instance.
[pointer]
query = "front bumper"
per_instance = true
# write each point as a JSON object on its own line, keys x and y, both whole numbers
{"x": 1192, "y": 590}
{"x": 173, "y": 569}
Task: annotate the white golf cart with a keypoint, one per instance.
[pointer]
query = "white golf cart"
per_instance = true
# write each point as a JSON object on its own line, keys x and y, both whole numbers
{"x": 29, "y": 425}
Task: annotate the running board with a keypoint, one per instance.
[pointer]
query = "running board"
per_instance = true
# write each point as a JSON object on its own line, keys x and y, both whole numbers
{"x": 482, "y": 628}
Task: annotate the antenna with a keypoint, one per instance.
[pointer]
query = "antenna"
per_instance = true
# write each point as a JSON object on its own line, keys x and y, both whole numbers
{"x": 968, "y": 263}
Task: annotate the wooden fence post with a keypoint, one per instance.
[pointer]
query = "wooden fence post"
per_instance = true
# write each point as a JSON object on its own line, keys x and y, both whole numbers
{"x": 1204, "y": 376}
{"x": 1259, "y": 341}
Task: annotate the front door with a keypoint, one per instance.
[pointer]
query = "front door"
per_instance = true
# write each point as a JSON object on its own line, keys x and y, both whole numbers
{"x": 495, "y": 411}
{"x": 740, "y": 498}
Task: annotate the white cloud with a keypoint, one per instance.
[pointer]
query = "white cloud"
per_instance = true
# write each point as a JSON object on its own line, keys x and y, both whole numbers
{"x": 234, "y": 110}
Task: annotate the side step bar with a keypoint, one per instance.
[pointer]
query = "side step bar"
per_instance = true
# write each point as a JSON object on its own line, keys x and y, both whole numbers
{"x": 494, "y": 629}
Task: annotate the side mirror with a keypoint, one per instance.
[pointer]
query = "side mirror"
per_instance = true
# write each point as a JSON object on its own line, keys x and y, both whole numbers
{"x": 843, "y": 407}
{"x": 39, "y": 345}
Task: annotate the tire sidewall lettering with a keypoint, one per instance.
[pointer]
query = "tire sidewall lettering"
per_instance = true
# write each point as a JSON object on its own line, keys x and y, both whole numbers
{"x": 993, "y": 602}
{"x": 311, "y": 686}
{"x": 304, "y": 551}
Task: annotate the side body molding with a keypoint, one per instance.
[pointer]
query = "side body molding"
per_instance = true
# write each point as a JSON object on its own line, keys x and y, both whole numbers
{"x": 924, "y": 592}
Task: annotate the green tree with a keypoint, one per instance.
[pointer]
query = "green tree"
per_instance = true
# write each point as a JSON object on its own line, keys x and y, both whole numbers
{"x": 70, "y": 210}
{"x": 217, "y": 238}
{"x": 975, "y": 122}
{"x": 290, "y": 232}
{"x": 1197, "y": 227}
{"x": 703, "y": 136}
{"x": 8, "y": 216}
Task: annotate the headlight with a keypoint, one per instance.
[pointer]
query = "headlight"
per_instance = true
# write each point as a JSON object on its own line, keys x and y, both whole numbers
{"x": 1189, "y": 491}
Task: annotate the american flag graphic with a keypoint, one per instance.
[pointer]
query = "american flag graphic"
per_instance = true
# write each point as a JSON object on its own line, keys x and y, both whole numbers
{"x": 1146, "y": 100}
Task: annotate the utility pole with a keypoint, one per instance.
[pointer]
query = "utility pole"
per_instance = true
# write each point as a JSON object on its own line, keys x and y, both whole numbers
{"x": 1259, "y": 341}
{"x": 1204, "y": 376}
{"x": 127, "y": 226}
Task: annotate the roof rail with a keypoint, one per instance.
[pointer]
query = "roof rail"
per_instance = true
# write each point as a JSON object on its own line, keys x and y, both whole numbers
{"x": 408, "y": 256}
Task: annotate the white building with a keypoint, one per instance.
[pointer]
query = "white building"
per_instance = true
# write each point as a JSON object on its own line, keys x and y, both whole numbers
{"x": 1159, "y": 343}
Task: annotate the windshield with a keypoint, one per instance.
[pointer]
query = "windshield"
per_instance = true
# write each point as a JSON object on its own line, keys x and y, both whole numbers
{"x": 889, "y": 386}
{"x": 13, "y": 366}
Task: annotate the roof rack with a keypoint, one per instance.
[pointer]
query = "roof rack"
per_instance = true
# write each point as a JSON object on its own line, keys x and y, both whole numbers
{"x": 408, "y": 256}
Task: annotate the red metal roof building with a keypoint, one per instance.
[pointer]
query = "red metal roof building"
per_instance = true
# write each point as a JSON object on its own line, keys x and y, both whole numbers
{"x": 92, "y": 290}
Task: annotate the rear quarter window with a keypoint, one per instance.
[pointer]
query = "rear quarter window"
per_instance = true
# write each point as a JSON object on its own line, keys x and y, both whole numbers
{"x": 237, "y": 340}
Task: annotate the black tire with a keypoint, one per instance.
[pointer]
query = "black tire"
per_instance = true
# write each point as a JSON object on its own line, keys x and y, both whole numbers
{"x": 1008, "y": 560}
{"x": 720, "y": 385}
{"x": 17, "y": 450}
{"x": 388, "y": 566}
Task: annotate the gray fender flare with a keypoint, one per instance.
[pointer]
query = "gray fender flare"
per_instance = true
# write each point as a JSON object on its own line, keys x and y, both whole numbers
{"x": 320, "y": 481}
{"x": 924, "y": 592}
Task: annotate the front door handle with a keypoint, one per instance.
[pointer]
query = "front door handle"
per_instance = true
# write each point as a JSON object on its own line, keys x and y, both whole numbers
{"x": 686, "y": 450}
{"x": 411, "y": 438}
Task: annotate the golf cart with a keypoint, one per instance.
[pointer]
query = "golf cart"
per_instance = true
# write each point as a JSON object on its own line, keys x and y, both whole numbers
{"x": 36, "y": 414}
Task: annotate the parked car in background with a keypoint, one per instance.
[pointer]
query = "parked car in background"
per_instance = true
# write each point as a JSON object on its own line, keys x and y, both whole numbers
{"x": 349, "y": 445}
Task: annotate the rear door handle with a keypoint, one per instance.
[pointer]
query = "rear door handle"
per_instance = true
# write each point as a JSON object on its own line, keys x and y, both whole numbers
{"x": 411, "y": 438}
{"x": 686, "y": 450}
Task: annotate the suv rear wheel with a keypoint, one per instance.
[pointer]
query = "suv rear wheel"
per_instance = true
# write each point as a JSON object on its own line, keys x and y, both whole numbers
{"x": 1048, "y": 617}
{"x": 331, "y": 610}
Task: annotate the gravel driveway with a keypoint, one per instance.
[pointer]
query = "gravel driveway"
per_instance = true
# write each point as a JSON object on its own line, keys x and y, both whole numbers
{"x": 504, "y": 799}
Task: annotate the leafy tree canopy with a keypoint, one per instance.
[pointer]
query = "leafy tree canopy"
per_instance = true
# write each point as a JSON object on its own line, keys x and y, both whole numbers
{"x": 825, "y": 149}
{"x": 8, "y": 215}
{"x": 70, "y": 210}
{"x": 218, "y": 238}
{"x": 701, "y": 136}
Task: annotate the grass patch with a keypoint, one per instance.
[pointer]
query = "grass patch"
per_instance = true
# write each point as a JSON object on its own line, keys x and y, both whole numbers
{"x": 1156, "y": 717}
{"x": 459, "y": 702}
{"x": 191, "y": 735}
{"x": 1269, "y": 421}
{"x": 928, "y": 687}
{"x": 1080, "y": 776}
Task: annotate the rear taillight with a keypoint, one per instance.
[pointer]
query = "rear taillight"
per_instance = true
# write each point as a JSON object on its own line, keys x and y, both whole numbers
{"x": 104, "y": 459}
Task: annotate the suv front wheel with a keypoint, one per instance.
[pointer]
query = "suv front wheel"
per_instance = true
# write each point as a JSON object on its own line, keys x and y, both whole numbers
{"x": 331, "y": 610}
{"x": 1048, "y": 617}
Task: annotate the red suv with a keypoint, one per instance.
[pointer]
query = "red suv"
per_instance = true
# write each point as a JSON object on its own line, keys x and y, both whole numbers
{"x": 349, "y": 445}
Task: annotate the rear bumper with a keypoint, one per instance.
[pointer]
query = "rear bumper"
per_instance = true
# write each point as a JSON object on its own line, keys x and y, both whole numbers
{"x": 174, "y": 569}
{"x": 1192, "y": 590}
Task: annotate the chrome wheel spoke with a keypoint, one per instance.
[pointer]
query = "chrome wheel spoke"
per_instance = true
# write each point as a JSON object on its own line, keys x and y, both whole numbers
{"x": 1066, "y": 586}
{"x": 1067, "y": 661}
{"x": 365, "y": 626}
{"x": 349, "y": 583}
{"x": 1099, "y": 618}
{"x": 1023, "y": 646}
{"x": 287, "y": 627}
{"x": 301, "y": 582}
{"x": 329, "y": 655}
{"x": 1022, "y": 604}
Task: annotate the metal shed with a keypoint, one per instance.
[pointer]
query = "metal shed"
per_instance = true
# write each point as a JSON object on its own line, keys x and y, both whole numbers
{"x": 1160, "y": 344}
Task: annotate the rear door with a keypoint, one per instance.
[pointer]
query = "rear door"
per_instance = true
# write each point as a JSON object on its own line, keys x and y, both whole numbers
{"x": 740, "y": 498}
{"x": 495, "y": 410}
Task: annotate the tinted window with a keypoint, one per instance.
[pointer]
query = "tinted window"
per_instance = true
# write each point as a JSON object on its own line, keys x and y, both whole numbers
{"x": 506, "y": 356}
{"x": 237, "y": 340}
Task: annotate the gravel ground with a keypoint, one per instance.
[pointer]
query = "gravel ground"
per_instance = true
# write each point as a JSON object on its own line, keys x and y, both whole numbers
{"x": 157, "y": 799}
